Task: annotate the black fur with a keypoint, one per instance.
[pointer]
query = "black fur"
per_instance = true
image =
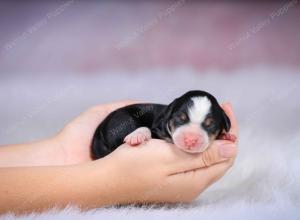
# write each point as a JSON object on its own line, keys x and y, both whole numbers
{"x": 121, "y": 122}
{"x": 114, "y": 128}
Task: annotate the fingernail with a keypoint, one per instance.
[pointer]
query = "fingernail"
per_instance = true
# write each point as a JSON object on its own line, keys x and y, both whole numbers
{"x": 227, "y": 151}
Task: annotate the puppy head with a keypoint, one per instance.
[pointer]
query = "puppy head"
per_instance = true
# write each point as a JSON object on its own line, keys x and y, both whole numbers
{"x": 194, "y": 120}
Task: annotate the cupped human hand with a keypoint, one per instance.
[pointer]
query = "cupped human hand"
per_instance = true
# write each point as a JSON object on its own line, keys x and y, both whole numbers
{"x": 157, "y": 171}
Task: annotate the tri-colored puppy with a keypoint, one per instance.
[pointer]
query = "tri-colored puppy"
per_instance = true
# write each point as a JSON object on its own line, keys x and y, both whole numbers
{"x": 191, "y": 122}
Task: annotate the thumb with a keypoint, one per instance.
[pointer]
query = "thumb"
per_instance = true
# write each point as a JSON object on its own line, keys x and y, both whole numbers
{"x": 187, "y": 186}
{"x": 220, "y": 150}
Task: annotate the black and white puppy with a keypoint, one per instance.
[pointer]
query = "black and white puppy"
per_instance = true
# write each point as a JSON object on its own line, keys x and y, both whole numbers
{"x": 191, "y": 122}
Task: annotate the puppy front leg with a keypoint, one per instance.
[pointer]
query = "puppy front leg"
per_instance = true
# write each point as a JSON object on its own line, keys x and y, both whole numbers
{"x": 138, "y": 136}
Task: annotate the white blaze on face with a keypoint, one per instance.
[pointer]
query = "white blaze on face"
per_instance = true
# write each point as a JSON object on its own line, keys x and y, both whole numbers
{"x": 191, "y": 137}
{"x": 199, "y": 110}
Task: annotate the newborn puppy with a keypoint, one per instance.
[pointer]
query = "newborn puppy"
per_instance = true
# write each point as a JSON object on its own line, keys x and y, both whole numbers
{"x": 191, "y": 122}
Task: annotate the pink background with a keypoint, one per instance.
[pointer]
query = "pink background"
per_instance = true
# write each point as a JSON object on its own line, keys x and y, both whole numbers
{"x": 83, "y": 36}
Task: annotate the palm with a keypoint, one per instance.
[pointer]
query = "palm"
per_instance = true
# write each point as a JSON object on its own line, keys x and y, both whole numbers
{"x": 76, "y": 137}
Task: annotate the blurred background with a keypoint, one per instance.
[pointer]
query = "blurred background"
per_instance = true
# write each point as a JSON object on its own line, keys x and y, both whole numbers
{"x": 91, "y": 36}
{"x": 58, "y": 58}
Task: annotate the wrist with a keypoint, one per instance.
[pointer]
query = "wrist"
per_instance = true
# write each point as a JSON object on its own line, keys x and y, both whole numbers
{"x": 48, "y": 152}
{"x": 41, "y": 153}
{"x": 95, "y": 184}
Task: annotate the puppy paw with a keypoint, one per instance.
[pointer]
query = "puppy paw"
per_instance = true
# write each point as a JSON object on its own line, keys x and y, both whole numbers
{"x": 229, "y": 137}
{"x": 138, "y": 136}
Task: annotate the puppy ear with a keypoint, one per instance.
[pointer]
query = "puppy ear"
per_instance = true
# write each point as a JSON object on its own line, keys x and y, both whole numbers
{"x": 159, "y": 127}
{"x": 225, "y": 121}
{"x": 169, "y": 110}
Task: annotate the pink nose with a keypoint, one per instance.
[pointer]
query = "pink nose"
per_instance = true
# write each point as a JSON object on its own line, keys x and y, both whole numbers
{"x": 192, "y": 140}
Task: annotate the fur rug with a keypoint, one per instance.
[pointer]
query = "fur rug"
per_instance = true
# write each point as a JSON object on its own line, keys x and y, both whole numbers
{"x": 264, "y": 182}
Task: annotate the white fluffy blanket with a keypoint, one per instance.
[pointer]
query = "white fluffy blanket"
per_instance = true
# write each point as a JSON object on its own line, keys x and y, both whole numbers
{"x": 264, "y": 182}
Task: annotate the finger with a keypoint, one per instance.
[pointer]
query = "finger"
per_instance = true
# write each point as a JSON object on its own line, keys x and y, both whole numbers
{"x": 115, "y": 105}
{"x": 227, "y": 107}
{"x": 93, "y": 116}
{"x": 109, "y": 107}
{"x": 220, "y": 150}
{"x": 99, "y": 112}
{"x": 192, "y": 183}
{"x": 213, "y": 173}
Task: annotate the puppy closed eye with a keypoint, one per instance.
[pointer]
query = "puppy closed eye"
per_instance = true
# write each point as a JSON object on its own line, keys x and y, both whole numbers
{"x": 209, "y": 122}
{"x": 181, "y": 118}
